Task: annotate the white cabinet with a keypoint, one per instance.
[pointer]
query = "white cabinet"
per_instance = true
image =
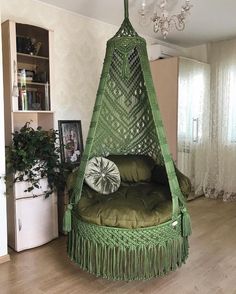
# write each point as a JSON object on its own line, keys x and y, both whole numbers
{"x": 36, "y": 221}
{"x": 27, "y": 72}
{"x": 32, "y": 218}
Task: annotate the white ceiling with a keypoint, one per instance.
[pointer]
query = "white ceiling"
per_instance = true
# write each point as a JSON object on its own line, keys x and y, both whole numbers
{"x": 210, "y": 20}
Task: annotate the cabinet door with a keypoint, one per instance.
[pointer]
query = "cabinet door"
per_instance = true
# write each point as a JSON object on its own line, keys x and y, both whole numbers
{"x": 165, "y": 78}
{"x": 36, "y": 221}
{"x": 21, "y": 186}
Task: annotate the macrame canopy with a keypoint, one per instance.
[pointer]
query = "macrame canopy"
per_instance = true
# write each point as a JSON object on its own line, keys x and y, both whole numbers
{"x": 126, "y": 118}
{"x": 126, "y": 121}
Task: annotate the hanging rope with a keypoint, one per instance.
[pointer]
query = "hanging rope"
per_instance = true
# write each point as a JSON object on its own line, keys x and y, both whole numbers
{"x": 126, "y": 9}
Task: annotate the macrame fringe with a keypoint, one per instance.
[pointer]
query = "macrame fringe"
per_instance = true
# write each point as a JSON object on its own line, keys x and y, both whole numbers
{"x": 132, "y": 263}
{"x": 67, "y": 219}
{"x": 186, "y": 223}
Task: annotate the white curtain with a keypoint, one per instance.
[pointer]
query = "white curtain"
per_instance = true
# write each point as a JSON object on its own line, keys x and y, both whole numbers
{"x": 193, "y": 121}
{"x": 221, "y": 175}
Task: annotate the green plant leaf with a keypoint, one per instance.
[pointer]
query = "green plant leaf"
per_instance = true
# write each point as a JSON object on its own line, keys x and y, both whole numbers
{"x": 35, "y": 154}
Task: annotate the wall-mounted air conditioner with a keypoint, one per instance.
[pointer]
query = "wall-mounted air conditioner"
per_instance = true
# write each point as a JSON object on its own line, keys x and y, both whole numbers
{"x": 157, "y": 51}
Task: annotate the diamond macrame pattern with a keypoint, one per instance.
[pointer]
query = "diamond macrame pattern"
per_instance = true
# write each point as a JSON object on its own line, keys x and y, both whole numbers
{"x": 125, "y": 125}
{"x": 126, "y": 118}
{"x": 126, "y": 30}
{"x": 110, "y": 237}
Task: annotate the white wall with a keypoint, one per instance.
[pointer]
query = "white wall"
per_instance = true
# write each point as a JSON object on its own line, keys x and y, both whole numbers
{"x": 3, "y": 223}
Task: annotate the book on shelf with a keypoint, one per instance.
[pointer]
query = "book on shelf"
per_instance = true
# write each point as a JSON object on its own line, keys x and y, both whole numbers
{"x": 22, "y": 90}
{"x": 31, "y": 98}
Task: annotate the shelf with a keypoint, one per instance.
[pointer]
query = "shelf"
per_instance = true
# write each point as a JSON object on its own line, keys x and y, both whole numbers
{"x": 36, "y": 83}
{"x": 43, "y": 118}
{"x": 32, "y": 56}
{"x": 33, "y": 111}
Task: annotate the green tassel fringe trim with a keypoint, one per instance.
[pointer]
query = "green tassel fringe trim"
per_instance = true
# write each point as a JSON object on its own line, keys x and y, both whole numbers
{"x": 134, "y": 263}
{"x": 186, "y": 223}
{"x": 67, "y": 219}
{"x": 129, "y": 254}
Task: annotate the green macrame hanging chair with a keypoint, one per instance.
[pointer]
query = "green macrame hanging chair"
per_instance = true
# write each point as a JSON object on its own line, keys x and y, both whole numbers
{"x": 126, "y": 120}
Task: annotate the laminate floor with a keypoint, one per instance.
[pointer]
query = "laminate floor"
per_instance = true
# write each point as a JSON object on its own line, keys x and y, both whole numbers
{"x": 210, "y": 269}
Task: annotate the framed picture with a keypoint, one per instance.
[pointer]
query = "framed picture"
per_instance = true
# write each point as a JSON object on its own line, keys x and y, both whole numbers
{"x": 71, "y": 141}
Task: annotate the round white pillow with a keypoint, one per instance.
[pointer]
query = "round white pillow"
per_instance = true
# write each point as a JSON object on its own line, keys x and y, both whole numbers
{"x": 102, "y": 175}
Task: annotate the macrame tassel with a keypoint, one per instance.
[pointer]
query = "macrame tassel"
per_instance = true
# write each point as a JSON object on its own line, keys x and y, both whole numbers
{"x": 67, "y": 219}
{"x": 186, "y": 223}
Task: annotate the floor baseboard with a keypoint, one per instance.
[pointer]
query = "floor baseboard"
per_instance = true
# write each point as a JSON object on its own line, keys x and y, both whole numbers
{"x": 4, "y": 258}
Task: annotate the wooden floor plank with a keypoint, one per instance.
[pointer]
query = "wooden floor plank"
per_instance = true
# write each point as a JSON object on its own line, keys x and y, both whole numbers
{"x": 210, "y": 269}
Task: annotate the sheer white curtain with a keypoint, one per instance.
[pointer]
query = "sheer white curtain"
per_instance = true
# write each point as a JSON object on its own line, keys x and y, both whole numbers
{"x": 193, "y": 121}
{"x": 221, "y": 179}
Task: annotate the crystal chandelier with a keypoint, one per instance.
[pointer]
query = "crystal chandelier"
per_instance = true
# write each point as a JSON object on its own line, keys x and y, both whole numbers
{"x": 163, "y": 23}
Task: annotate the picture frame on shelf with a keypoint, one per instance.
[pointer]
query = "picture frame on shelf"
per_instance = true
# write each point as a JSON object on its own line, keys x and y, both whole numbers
{"x": 71, "y": 141}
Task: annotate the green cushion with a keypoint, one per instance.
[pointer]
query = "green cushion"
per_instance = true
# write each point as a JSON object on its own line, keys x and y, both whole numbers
{"x": 184, "y": 183}
{"x": 102, "y": 175}
{"x": 135, "y": 206}
{"x": 134, "y": 168}
{"x": 159, "y": 176}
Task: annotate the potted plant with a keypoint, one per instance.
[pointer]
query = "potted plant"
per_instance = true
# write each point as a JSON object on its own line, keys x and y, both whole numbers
{"x": 35, "y": 154}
